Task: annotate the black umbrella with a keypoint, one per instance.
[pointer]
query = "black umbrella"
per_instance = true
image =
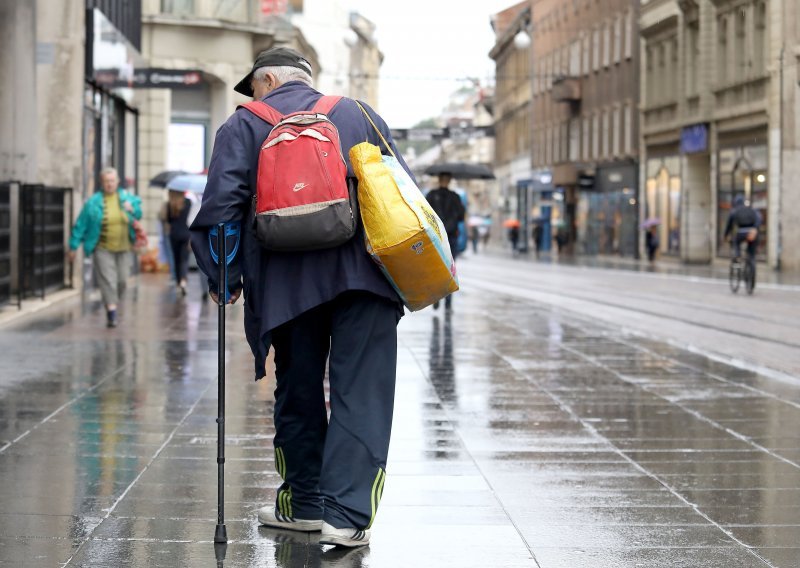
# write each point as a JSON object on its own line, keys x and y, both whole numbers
{"x": 163, "y": 178}
{"x": 461, "y": 170}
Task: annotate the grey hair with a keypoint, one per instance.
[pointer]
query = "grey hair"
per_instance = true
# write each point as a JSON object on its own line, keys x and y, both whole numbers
{"x": 106, "y": 171}
{"x": 283, "y": 74}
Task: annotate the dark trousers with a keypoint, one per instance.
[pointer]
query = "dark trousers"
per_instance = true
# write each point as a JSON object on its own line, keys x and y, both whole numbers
{"x": 738, "y": 239}
{"x": 180, "y": 252}
{"x": 335, "y": 469}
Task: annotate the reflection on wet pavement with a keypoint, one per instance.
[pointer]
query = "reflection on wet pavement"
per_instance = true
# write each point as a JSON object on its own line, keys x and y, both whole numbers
{"x": 523, "y": 437}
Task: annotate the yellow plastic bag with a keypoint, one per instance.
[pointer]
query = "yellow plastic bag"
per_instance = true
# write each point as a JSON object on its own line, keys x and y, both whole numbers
{"x": 403, "y": 234}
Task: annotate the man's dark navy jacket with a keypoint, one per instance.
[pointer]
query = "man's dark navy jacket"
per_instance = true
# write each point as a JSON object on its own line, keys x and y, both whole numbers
{"x": 280, "y": 286}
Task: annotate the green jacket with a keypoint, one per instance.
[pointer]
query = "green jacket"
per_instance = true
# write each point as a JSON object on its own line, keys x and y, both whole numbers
{"x": 90, "y": 221}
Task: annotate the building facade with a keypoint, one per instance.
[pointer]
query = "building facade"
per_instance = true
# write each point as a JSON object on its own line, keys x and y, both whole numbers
{"x": 719, "y": 85}
{"x": 214, "y": 44}
{"x": 585, "y": 122}
{"x": 512, "y": 114}
{"x": 59, "y": 126}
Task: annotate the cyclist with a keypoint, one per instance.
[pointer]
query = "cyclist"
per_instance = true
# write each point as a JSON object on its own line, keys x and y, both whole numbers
{"x": 747, "y": 221}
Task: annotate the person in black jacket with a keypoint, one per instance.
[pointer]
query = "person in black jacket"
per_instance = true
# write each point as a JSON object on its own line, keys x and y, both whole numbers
{"x": 747, "y": 221}
{"x": 448, "y": 206}
{"x": 177, "y": 216}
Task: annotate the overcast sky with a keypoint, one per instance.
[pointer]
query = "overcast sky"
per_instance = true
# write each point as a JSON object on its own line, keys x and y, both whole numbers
{"x": 428, "y": 45}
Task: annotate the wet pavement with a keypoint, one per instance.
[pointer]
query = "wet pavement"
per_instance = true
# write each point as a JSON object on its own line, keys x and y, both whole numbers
{"x": 524, "y": 435}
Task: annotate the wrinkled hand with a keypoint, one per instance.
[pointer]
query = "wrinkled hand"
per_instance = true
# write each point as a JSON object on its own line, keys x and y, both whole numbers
{"x": 232, "y": 300}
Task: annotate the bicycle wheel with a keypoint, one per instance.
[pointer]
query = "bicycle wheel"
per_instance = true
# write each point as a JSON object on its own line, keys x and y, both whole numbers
{"x": 735, "y": 276}
{"x": 750, "y": 276}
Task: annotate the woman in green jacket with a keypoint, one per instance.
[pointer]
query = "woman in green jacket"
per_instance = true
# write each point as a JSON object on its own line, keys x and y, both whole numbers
{"x": 105, "y": 227}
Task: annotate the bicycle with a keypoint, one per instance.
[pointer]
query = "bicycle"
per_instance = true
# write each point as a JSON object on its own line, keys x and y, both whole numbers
{"x": 742, "y": 271}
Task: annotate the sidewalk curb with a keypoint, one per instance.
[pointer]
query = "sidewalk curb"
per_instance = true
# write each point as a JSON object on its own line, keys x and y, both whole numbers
{"x": 12, "y": 313}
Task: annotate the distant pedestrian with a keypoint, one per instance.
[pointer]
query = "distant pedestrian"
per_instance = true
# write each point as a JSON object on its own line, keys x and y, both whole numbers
{"x": 536, "y": 235}
{"x": 651, "y": 243}
{"x": 326, "y": 312}
{"x": 448, "y": 206}
{"x": 483, "y": 230}
{"x": 475, "y": 236}
{"x": 105, "y": 228}
{"x": 178, "y": 208}
{"x": 513, "y": 236}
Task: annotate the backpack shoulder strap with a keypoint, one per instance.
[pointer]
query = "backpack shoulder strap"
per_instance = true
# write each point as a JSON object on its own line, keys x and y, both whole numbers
{"x": 326, "y": 103}
{"x": 263, "y": 111}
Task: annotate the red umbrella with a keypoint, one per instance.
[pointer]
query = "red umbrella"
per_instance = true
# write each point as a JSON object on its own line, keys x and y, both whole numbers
{"x": 511, "y": 223}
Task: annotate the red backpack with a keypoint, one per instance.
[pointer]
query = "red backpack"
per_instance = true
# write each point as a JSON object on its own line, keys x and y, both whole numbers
{"x": 303, "y": 195}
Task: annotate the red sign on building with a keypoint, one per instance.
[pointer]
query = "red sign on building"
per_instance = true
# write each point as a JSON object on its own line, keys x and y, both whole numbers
{"x": 273, "y": 7}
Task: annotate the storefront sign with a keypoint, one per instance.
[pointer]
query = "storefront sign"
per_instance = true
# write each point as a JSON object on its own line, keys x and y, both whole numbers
{"x": 151, "y": 78}
{"x": 442, "y": 133}
{"x": 694, "y": 139}
{"x": 110, "y": 57}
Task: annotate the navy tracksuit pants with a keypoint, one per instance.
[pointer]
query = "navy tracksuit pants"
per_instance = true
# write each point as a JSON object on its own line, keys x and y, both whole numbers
{"x": 335, "y": 470}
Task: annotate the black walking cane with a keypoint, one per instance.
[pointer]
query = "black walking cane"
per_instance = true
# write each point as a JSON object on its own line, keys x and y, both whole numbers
{"x": 221, "y": 534}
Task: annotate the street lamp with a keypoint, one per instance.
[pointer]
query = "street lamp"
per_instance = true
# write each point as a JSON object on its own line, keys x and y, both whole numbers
{"x": 522, "y": 40}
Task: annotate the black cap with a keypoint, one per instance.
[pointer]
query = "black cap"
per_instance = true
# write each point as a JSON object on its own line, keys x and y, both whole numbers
{"x": 273, "y": 57}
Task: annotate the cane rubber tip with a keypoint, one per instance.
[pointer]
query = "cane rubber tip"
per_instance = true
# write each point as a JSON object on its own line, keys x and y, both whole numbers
{"x": 220, "y": 535}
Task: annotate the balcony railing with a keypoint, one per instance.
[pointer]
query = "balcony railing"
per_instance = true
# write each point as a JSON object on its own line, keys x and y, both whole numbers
{"x": 566, "y": 89}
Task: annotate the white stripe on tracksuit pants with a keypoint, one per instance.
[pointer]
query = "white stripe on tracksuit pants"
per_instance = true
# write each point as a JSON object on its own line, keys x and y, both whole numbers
{"x": 335, "y": 471}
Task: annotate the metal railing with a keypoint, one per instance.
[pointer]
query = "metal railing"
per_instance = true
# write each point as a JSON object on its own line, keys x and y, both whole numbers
{"x": 5, "y": 242}
{"x": 43, "y": 227}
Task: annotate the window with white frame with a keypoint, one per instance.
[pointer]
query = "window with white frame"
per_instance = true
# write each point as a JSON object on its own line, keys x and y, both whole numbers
{"x": 630, "y": 31}
{"x": 604, "y": 134}
{"x": 722, "y": 49}
{"x": 618, "y": 23}
{"x": 606, "y": 45}
{"x": 575, "y": 58}
{"x": 557, "y": 143}
{"x": 574, "y": 140}
{"x": 627, "y": 117}
{"x": 615, "y": 132}
{"x": 595, "y": 135}
{"x": 585, "y": 150}
{"x": 585, "y": 45}
{"x": 692, "y": 57}
{"x": 595, "y": 49}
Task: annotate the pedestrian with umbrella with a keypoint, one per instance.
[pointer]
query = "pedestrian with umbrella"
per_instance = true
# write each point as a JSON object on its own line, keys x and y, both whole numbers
{"x": 513, "y": 226}
{"x": 176, "y": 216}
{"x": 447, "y": 205}
{"x": 651, "y": 241}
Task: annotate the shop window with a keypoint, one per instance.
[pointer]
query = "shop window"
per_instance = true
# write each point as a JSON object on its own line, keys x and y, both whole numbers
{"x": 663, "y": 202}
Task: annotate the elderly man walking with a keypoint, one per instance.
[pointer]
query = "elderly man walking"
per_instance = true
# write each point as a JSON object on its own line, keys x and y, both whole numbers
{"x": 318, "y": 308}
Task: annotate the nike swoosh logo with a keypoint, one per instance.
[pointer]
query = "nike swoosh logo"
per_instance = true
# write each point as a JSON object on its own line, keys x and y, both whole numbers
{"x": 299, "y": 186}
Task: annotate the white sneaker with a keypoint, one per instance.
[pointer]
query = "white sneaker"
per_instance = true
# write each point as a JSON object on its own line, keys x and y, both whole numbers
{"x": 343, "y": 537}
{"x": 270, "y": 517}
